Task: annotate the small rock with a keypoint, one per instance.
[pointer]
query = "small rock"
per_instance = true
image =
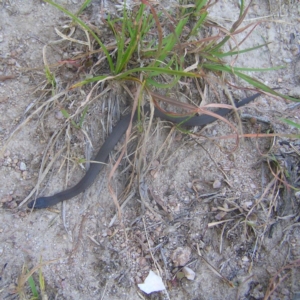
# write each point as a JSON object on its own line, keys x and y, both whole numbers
{"x": 138, "y": 280}
{"x": 285, "y": 291}
{"x": 295, "y": 92}
{"x": 246, "y": 205}
{"x": 59, "y": 115}
{"x": 35, "y": 162}
{"x": 22, "y": 166}
{"x": 217, "y": 184}
{"x": 12, "y": 204}
{"x": 6, "y": 198}
{"x": 11, "y": 61}
{"x": 295, "y": 50}
{"x": 181, "y": 256}
{"x": 257, "y": 292}
{"x": 245, "y": 259}
{"x": 25, "y": 79}
{"x": 287, "y": 60}
{"x": 189, "y": 273}
{"x": 256, "y": 8}
{"x": 142, "y": 261}
{"x": 8, "y": 161}
{"x": 6, "y": 153}
{"x": 198, "y": 187}
{"x": 154, "y": 173}
{"x": 22, "y": 214}
{"x": 189, "y": 185}
{"x": 155, "y": 164}
{"x": 186, "y": 199}
{"x": 220, "y": 215}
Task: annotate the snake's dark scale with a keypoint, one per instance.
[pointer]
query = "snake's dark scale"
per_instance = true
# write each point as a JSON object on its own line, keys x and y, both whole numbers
{"x": 112, "y": 140}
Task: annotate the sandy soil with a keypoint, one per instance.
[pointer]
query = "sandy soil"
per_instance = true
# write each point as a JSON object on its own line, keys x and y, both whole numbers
{"x": 189, "y": 185}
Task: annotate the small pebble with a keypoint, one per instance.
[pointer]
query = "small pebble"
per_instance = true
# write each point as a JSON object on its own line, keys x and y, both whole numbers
{"x": 25, "y": 79}
{"x": 189, "y": 273}
{"x": 245, "y": 259}
{"x": 8, "y": 161}
{"x": 11, "y": 61}
{"x": 295, "y": 92}
{"x": 287, "y": 60}
{"x": 181, "y": 256}
{"x": 12, "y": 204}
{"x": 295, "y": 50}
{"x": 246, "y": 205}
{"x": 155, "y": 164}
{"x": 217, "y": 184}
{"x": 142, "y": 261}
{"x": 22, "y": 166}
{"x": 154, "y": 173}
{"x": 220, "y": 215}
{"x": 285, "y": 291}
{"x": 198, "y": 187}
{"x": 59, "y": 115}
{"x": 6, "y": 198}
{"x": 186, "y": 199}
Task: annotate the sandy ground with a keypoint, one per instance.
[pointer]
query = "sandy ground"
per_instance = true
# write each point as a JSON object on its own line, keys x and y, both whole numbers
{"x": 189, "y": 185}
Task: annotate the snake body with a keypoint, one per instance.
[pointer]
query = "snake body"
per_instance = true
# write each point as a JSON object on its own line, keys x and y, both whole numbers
{"x": 112, "y": 140}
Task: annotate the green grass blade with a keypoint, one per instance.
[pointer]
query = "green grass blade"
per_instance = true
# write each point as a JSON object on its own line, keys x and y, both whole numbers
{"x": 235, "y": 25}
{"x": 291, "y": 123}
{"x": 33, "y": 287}
{"x": 51, "y": 79}
{"x": 67, "y": 116}
{"x": 83, "y": 116}
{"x": 198, "y": 24}
{"x": 83, "y": 7}
{"x": 242, "y": 5}
{"x": 160, "y": 71}
{"x": 220, "y": 54}
{"x": 154, "y": 83}
{"x": 137, "y": 70}
{"x": 124, "y": 57}
{"x": 83, "y": 25}
{"x": 258, "y": 69}
{"x": 170, "y": 41}
{"x": 250, "y": 80}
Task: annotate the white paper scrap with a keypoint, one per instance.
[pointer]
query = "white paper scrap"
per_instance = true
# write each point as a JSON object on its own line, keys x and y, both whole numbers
{"x": 153, "y": 283}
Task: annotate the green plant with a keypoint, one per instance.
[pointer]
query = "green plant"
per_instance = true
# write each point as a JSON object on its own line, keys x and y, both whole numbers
{"x": 158, "y": 46}
{"x": 26, "y": 277}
